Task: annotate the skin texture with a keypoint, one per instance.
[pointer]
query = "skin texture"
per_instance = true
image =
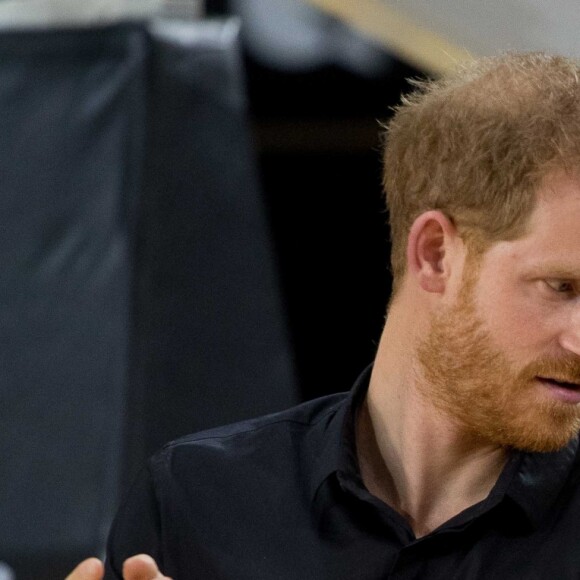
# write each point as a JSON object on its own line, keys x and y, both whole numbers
{"x": 455, "y": 386}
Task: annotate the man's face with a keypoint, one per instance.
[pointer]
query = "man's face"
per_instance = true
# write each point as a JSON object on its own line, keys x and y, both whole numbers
{"x": 490, "y": 359}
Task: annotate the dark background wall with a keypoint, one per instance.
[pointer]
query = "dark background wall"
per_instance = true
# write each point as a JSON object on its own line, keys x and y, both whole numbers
{"x": 323, "y": 190}
{"x": 317, "y": 135}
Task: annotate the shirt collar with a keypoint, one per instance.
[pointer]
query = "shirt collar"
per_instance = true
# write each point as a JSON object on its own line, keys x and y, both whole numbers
{"x": 532, "y": 481}
{"x": 539, "y": 479}
{"x": 338, "y": 451}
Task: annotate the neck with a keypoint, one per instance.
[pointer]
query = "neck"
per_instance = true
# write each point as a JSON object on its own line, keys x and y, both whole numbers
{"x": 414, "y": 458}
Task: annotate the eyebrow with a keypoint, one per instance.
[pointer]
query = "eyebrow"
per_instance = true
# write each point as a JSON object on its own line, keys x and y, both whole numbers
{"x": 555, "y": 271}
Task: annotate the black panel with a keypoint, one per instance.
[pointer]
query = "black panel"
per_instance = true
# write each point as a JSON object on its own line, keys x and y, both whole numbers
{"x": 139, "y": 298}
{"x": 210, "y": 343}
{"x": 69, "y": 129}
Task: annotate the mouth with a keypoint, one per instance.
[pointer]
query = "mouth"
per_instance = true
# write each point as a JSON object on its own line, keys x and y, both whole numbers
{"x": 559, "y": 383}
{"x": 560, "y": 390}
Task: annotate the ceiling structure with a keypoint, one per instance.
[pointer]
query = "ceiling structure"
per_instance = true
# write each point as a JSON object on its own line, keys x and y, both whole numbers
{"x": 434, "y": 35}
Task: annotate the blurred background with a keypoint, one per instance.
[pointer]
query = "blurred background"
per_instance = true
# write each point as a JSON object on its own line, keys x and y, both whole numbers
{"x": 192, "y": 224}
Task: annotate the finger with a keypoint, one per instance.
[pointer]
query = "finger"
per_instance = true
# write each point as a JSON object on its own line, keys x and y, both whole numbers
{"x": 142, "y": 567}
{"x": 89, "y": 569}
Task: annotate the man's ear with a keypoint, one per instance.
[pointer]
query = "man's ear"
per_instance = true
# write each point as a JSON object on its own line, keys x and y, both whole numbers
{"x": 428, "y": 246}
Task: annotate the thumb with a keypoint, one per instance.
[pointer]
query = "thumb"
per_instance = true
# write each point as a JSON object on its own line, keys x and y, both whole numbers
{"x": 142, "y": 567}
{"x": 90, "y": 569}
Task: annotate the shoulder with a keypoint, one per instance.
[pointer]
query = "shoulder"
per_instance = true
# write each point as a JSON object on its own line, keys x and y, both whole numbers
{"x": 279, "y": 437}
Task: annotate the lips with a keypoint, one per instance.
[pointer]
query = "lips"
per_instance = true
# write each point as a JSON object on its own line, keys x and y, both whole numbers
{"x": 560, "y": 383}
{"x": 563, "y": 391}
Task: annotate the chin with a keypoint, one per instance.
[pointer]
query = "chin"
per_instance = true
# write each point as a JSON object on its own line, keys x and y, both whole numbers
{"x": 542, "y": 442}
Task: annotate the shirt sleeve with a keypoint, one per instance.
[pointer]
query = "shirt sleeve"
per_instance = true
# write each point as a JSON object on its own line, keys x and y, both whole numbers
{"x": 136, "y": 528}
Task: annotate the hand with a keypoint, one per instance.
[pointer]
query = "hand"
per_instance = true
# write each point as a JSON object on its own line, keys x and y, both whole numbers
{"x": 140, "y": 567}
{"x": 91, "y": 569}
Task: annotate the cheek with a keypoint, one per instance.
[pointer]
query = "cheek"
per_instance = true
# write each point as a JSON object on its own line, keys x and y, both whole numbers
{"x": 515, "y": 320}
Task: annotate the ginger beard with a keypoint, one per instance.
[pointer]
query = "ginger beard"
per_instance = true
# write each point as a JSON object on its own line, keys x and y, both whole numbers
{"x": 470, "y": 380}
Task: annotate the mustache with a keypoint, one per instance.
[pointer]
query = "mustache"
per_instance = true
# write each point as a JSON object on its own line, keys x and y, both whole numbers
{"x": 565, "y": 370}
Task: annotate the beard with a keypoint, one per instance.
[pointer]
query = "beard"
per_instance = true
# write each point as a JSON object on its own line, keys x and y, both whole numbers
{"x": 473, "y": 382}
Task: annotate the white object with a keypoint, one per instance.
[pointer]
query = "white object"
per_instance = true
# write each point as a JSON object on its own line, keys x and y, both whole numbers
{"x": 6, "y": 573}
{"x": 291, "y": 35}
{"x": 18, "y": 14}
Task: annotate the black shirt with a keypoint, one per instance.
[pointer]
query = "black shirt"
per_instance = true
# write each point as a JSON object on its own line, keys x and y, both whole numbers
{"x": 280, "y": 497}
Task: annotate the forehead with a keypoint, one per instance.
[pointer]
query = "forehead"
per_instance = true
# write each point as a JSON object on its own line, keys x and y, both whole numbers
{"x": 555, "y": 221}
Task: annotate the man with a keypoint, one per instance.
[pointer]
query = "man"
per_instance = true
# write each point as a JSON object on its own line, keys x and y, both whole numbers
{"x": 456, "y": 455}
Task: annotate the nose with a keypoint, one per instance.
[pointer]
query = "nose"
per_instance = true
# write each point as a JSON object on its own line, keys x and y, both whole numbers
{"x": 570, "y": 337}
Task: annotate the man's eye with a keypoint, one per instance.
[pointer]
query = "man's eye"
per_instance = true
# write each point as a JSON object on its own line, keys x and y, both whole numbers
{"x": 561, "y": 286}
